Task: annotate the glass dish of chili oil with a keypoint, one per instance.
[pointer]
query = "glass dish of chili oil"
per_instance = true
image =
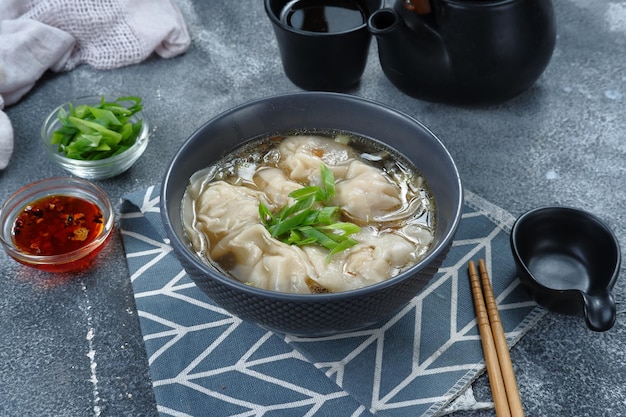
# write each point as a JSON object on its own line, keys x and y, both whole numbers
{"x": 57, "y": 224}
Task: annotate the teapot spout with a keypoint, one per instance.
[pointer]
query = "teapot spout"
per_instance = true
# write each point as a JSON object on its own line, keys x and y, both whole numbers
{"x": 409, "y": 56}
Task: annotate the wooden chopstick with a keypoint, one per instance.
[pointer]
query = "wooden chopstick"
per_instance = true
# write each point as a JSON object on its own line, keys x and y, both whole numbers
{"x": 489, "y": 349}
{"x": 498, "y": 360}
{"x": 502, "y": 349}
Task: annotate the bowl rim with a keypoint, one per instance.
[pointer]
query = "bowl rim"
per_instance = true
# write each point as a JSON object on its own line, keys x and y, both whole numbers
{"x": 135, "y": 151}
{"x": 234, "y": 284}
{"x": 34, "y": 191}
{"x": 519, "y": 224}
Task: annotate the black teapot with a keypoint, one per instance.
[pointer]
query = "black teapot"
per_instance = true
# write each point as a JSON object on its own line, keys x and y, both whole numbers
{"x": 464, "y": 51}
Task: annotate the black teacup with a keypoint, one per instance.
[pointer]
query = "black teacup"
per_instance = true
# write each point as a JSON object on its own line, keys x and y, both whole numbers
{"x": 323, "y": 44}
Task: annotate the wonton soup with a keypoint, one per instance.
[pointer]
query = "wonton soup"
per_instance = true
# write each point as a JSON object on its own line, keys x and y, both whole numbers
{"x": 310, "y": 212}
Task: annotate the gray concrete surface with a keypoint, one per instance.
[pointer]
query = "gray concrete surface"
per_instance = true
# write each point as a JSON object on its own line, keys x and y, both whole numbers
{"x": 561, "y": 142}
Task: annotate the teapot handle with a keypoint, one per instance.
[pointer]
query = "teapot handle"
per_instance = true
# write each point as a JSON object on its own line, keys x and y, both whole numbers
{"x": 418, "y": 6}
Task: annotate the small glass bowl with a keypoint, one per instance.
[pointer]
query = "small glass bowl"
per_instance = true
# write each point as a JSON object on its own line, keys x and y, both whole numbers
{"x": 74, "y": 187}
{"x": 99, "y": 169}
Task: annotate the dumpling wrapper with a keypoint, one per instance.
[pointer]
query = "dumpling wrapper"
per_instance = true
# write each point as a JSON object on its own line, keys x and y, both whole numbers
{"x": 253, "y": 256}
{"x": 276, "y": 186}
{"x": 365, "y": 193}
{"x": 223, "y": 208}
{"x": 376, "y": 258}
{"x": 302, "y": 156}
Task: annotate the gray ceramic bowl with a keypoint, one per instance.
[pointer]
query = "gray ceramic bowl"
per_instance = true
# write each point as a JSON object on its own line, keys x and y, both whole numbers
{"x": 315, "y": 314}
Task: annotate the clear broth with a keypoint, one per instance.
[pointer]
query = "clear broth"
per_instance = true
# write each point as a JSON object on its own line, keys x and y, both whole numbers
{"x": 239, "y": 166}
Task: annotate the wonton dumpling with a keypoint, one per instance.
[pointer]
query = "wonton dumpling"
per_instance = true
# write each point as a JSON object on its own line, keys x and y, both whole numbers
{"x": 375, "y": 258}
{"x": 253, "y": 256}
{"x": 224, "y": 207}
{"x": 275, "y": 184}
{"x": 422, "y": 237}
{"x": 397, "y": 251}
{"x": 329, "y": 276}
{"x": 301, "y": 157}
{"x": 366, "y": 193}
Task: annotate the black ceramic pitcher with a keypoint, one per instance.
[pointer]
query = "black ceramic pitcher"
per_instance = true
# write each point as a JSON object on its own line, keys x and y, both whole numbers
{"x": 464, "y": 51}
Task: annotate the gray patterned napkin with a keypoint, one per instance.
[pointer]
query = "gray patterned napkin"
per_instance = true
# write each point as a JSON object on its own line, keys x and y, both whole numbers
{"x": 204, "y": 360}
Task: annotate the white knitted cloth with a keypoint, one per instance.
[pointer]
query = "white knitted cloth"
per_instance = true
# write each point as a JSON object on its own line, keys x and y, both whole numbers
{"x": 57, "y": 35}
{"x": 114, "y": 33}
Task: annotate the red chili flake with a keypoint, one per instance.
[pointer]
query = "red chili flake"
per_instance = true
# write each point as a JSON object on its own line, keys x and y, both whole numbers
{"x": 55, "y": 225}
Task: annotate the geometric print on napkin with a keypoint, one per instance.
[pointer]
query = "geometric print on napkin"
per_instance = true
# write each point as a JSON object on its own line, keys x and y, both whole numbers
{"x": 205, "y": 361}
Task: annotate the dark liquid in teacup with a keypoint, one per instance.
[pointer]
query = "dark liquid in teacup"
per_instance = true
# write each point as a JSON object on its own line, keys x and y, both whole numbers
{"x": 323, "y": 16}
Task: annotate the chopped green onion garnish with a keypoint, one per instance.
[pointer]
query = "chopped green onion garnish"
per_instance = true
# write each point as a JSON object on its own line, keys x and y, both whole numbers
{"x": 309, "y": 220}
{"x": 99, "y": 131}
